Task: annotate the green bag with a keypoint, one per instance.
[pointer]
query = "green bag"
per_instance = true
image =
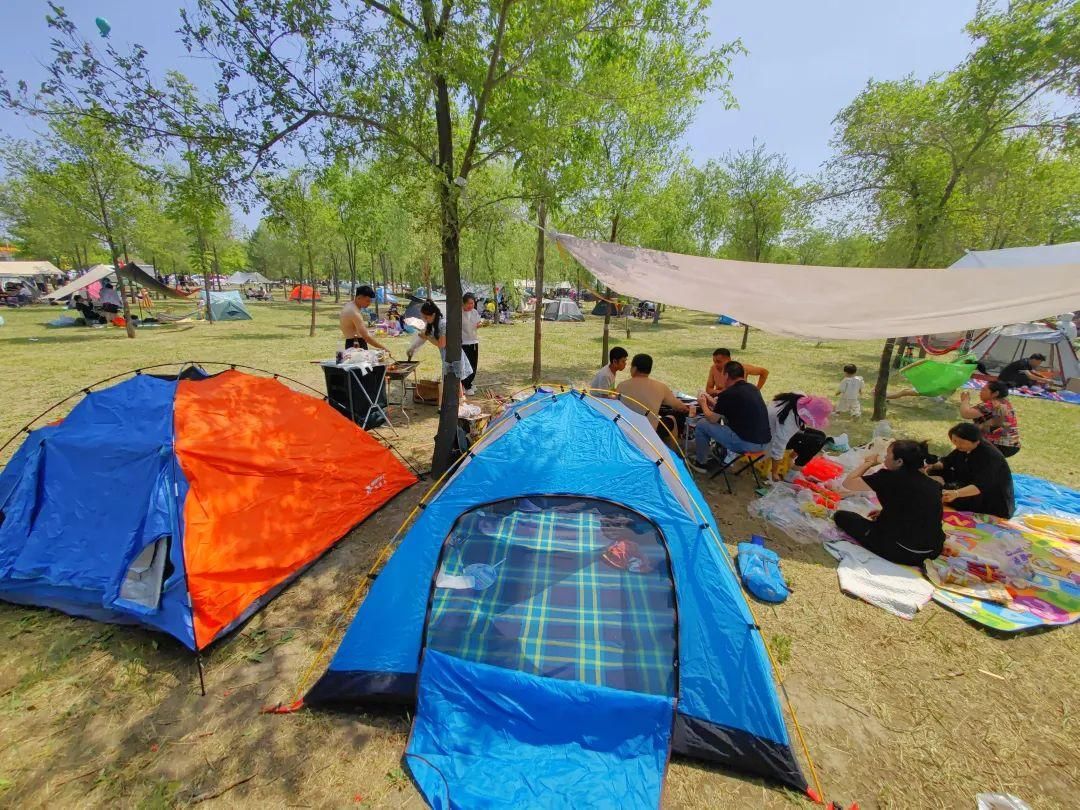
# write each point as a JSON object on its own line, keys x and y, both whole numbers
{"x": 932, "y": 378}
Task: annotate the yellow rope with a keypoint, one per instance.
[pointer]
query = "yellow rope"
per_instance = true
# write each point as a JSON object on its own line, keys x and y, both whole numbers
{"x": 697, "y": 509}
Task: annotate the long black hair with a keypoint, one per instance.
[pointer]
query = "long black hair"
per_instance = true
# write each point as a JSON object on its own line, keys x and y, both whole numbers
{"x": 790, "y": 400}
{"x": 429, "y": 308}
{"x": 911, "y": 454}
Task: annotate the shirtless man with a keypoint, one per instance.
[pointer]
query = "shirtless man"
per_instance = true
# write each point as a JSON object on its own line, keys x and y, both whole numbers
{"x": 720, "y": 358}
{"x": 353, "y": 323}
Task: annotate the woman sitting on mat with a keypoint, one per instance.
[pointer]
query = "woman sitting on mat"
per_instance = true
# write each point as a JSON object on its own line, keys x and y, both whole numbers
{"x": 976, "y": 476}
{"x": 908, "y": 528}
{"x": 994, "y": 416}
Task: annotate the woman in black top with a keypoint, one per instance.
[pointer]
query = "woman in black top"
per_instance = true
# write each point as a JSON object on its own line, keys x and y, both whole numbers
{"x": 976, "y": 476}
{"x": 908, "y": 528}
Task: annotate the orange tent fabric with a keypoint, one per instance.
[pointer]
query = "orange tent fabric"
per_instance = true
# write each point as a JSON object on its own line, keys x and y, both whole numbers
{"x": 303, "y": 293}
{"x": 275, "y": 478}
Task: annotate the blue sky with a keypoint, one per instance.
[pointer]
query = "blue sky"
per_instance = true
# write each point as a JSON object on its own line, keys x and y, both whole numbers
{"x": 806, "y": 60}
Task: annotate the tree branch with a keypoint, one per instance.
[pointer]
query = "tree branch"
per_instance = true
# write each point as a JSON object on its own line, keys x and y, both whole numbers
{"x": 395, "y": 15}
{"x": 485, "y": 93}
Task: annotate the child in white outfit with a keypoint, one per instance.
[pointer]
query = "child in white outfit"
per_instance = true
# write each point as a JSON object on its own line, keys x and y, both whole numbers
{"x": 850, "y": 388}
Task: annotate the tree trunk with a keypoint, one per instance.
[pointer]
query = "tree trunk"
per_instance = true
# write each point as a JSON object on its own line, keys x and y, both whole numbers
{"x": 745, "y": 335}
{"x": 898, "y": 357}
{"x": 350, "y": 255}
{"x": 201, "y": 244}
{"x": 129, "y": 327}
{"x": 384, "y": 262}
{"x": 882, "y": 384}
{"x": 314, "y": 289}
{"x": 375, "y": 284}
{"x": 451, "y": 267}
{"x": 336, "y": 277}
{"x": 538, "y": 309}
{"x": 607, "y": 328}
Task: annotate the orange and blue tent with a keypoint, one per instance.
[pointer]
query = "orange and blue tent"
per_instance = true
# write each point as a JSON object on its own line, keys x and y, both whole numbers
{"x": 184, "y": 504}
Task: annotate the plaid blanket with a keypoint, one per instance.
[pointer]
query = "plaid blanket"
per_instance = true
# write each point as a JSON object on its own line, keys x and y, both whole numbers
{"x": 555, "y": 608}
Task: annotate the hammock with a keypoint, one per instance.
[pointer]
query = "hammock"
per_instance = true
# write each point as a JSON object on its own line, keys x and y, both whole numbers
{"x": 932, "y": 378}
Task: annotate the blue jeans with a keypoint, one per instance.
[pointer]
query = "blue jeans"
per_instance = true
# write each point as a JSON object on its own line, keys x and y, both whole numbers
{"x": 723, "y": 436}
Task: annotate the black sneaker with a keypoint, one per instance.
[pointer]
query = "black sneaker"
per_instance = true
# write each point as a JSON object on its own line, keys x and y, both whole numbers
{"x": 698, "y": 468}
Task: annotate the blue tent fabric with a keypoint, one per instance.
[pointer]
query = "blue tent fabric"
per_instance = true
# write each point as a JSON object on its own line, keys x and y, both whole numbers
{"x": 228, "y": 306}
{"x": 117, "y": 440}
{"x": 485, "y": 736}
{"x": 727, "y": 706}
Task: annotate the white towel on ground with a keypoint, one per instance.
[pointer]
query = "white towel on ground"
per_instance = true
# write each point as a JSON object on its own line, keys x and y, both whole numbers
{"x": 899, "y": 589}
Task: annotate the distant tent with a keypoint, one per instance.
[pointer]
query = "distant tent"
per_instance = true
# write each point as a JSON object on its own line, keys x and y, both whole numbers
{"x": 167, "y": 502}
{"x": 413, "y": 309}
{"x": 240, "y": 278}
{"x": 383, "y": 297}
{"x": 562, "y": 309}
{"x": 33, "y": 270}
{"x": 612, "y": 308}
{"x": 228, "y": 306}
{"x": 303, "y": 292}
{"x": 21, "y": 286}
{"x": 726, "y": 320}
{"x": 1017, "y": 257}
{"x": 996, "y": 348}
{"x": 143, "y": 275}
{"x": 559, "y": 637}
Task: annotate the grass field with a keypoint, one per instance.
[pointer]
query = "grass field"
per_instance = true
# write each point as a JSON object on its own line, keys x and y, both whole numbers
{"x": 896, "y": 714}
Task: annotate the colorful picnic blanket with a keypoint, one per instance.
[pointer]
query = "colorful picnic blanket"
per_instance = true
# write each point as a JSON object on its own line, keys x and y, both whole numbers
{"x": 1033, "y": 392}
{"x": 552, "y": 602}
{"x": 1038, "y": 571}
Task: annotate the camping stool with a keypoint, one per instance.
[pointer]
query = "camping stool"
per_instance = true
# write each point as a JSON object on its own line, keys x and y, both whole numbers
{"x": 750, "y": 460}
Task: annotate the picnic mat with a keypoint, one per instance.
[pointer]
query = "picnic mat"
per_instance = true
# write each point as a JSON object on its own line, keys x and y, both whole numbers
{"x": 1008, "y": 576}
{"x": 554, "y": 606}
{"x": 1031, "y": 392}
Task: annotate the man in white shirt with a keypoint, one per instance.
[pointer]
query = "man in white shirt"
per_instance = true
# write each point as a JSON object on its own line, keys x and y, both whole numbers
{"x": 353, "y": 323}
{"x": 110, "y": 298}
{"x": 470, "y": 343}
{"x": 604, "y": 379}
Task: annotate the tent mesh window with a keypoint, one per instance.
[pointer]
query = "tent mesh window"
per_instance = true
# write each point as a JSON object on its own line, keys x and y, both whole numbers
{"x": 562, "y": 587}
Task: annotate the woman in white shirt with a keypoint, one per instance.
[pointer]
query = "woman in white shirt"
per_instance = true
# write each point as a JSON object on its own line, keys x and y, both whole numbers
{"x": 470, "y": 343}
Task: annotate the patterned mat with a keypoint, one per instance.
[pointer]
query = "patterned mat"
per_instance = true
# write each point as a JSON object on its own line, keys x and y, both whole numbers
{"x": 554, "y": 607}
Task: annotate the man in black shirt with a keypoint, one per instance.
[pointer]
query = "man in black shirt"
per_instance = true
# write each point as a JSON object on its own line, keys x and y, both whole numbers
{"x": 977, "y": 477}
{"x": 746, "y": 428}
{"x": 1025, "y": 372}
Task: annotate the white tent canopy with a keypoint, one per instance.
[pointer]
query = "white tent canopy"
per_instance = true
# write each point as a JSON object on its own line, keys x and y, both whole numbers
{"x": 834, "y": 302}
{"x": 240, "y": 277}
{"x": 1016, "y": 257}
{"x": 29, "y": 269}
{"x": 95, "y": 273}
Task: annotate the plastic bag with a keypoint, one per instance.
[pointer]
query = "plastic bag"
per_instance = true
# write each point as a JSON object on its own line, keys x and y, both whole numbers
{"x": 759, "y": 569}
{"x": 1000, "y": 801}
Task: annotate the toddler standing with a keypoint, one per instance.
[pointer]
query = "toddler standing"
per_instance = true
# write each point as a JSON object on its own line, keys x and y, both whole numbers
{"x": 850, "y": 388}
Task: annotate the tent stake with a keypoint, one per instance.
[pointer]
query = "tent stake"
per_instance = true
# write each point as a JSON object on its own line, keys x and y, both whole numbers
{"x": 202, "y": 680}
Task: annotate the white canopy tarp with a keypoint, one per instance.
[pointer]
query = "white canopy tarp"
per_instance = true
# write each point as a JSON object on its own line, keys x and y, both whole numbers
{"x": 95, "y": 273}
{"x": 29, "y": 269}
{"x": 1015, "y": 257}
{"x": 851, "y": 303}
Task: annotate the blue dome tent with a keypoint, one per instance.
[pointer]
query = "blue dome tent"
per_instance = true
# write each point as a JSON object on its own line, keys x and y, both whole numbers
{"x": 564, "y": 615}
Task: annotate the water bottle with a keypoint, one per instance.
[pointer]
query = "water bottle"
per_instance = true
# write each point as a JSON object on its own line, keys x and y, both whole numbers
{"x": 882, "y": 429}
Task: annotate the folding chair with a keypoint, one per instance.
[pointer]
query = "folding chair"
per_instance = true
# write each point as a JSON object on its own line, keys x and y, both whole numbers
{"x": 749, "y": 460}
